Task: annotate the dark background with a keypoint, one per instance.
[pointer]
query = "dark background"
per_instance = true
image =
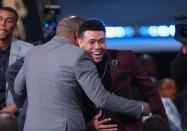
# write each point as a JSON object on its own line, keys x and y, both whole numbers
{"x": 126, "y": 12}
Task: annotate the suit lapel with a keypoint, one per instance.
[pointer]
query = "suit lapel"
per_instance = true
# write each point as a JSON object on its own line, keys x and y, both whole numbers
{"x": 15, "y": 49}
{"x": 114, "y": 67}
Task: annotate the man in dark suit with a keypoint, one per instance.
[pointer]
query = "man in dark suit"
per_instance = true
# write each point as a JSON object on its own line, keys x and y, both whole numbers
{"x": 119, "y": 71}
{"x": 178, "y": 71}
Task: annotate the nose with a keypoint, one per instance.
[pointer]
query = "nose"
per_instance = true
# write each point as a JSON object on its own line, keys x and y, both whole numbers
{"x": 2, "y": 22}
{"x": 97, "y": 45}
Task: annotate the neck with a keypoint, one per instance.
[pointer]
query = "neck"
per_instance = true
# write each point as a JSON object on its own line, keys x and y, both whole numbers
{"x": 4, "y": 44}
{"x": 68, "y": 36}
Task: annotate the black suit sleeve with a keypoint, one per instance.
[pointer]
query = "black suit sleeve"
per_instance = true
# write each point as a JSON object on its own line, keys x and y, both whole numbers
{"x": 179, "y": 71}
{"x": 11, "y": 74}
{"x": 179, "y": 66}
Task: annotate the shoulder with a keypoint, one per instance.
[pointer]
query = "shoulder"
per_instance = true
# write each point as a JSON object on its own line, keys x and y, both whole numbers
{"x": 33, "y": 51}
{"x": 66, "y": 45}
{"x": 126, "y": 52}
{"x": 20, "y": 47}
{"x": 73, "y": 50}
{"x": 21, "y": 43}
{"x": 74, "y": 53}
{"x": 121, "y": 53}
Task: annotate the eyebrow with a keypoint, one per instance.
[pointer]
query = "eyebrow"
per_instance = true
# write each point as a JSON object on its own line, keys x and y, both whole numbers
{"x": 97, "y": 39}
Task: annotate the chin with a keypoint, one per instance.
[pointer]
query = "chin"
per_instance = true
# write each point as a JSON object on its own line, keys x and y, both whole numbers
{"x": 97, "y": 61}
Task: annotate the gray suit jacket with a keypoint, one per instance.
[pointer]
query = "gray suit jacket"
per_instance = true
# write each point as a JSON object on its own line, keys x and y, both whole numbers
{"x": 18, "y": 50}
{"x": 57, "y": 75}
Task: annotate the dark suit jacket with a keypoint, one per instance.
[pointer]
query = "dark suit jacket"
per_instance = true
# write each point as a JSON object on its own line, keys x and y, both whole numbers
{"x": 126, "y": 72}
{"x": 178, "y": 71}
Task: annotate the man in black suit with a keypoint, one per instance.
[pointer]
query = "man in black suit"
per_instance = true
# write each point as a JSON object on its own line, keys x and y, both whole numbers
{"x": 179, "y": 71}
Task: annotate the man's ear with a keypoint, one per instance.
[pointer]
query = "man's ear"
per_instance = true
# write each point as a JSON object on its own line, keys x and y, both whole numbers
{"x": 80, "y": 42}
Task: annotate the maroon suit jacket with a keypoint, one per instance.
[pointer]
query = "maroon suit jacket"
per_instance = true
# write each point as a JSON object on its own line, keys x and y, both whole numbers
{"x": 127, "y": 72}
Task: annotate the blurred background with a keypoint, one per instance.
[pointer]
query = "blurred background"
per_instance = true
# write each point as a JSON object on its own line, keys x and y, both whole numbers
{"x": 144, "y": 26}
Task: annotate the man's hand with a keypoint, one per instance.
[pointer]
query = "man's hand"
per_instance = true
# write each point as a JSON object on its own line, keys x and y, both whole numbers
{"x": 12, "y": 108}
{"x": 146, "y": 109}
{"x": 100, "y": 125}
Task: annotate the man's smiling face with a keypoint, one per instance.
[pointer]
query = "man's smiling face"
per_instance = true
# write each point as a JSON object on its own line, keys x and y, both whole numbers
{"x": 8, "y": 23}
{"x": 94, "y": 43}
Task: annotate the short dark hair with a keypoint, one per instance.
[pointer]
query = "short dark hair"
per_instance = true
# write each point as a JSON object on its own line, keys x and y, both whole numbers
{"x": 155, "y": 123}
{"x": 12, "y": 10}
{"x": 91, "y": 24}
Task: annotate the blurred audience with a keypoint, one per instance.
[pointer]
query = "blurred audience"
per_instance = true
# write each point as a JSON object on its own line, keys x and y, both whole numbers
{"x": 167, "y": 87}
{"x": 150, "y": 66}
{"x": 168, "y": 91}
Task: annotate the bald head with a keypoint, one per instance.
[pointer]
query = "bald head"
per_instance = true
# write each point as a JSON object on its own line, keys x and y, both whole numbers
{"x": 68, "y": 27}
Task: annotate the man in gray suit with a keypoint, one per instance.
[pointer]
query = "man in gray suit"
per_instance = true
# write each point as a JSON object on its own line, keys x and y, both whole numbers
{"x": 57, "y": 75}
{"x": 11, "y": 49}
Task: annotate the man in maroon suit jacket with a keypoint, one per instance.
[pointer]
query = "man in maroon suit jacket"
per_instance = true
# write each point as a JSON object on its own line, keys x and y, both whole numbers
{"x": 120, "y": 71}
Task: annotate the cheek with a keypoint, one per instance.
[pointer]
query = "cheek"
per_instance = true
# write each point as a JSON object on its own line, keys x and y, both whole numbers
{"x": 11, "y": 27}
{"x": 103, "y": 46}
{"x": 166, "y": 92}
{"x": 88, "y": 48}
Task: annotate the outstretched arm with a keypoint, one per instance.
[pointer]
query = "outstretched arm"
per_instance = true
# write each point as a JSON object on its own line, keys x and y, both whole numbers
{"x": 87, "y": 76}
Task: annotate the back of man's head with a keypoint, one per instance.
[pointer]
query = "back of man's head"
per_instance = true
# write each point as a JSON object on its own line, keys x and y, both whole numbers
{"x": 92, "y": 25}
{"x": 8, "y": 122}
{"x": 68, "y": 27}
{"x": 155, "y": 123}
